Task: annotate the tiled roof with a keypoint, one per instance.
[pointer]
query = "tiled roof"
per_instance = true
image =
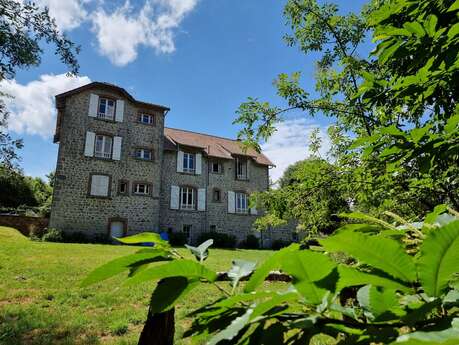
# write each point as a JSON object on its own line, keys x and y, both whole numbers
{"x": 213, "y": 146}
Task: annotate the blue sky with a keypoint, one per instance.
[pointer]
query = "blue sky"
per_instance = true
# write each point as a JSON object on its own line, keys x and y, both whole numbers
{"x": 202, "y": 58}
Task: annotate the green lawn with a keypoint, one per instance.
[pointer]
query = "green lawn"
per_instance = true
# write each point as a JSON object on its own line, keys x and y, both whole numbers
{"x": 41, "y": 302}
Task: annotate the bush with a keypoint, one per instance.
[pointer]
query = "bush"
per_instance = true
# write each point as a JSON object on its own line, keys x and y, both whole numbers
{"x": 76, "y": 237}
{"x": 52, "y": 235}
{"x": 221, "y": 240}
{"x": 177, "y": 239}
{"x": 251, "y": 242}
{"x": 279, "y": 244}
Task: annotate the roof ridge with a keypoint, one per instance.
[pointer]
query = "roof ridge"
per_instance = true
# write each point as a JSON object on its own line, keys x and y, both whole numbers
{"x": 205, "y": 134}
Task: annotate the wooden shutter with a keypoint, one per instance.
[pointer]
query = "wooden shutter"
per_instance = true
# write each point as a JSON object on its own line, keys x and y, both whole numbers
{"x": 119, "y": 111}
{"x": 180, "y": 161}
{"x": 175, "y": 197}
{"x": 117, "y": 148}
{"x": 99, "y": 185}
{"x": 201, "y": 199}
{"x": 89, "y": 144}
{"x": 231, "y": 202}
{"x": 93, "y": 105}
{"x": 198, "y": 164}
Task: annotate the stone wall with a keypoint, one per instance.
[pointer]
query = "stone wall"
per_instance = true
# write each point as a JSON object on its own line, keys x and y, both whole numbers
{"x": 72, "y": 209}
{"x": 26, "y": 225}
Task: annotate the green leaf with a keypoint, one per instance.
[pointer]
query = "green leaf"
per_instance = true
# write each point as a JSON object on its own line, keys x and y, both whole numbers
{"x": 307, "y": 268}
{"x": 453, "y": 31}
{"x": 233, "y": 329}
{"x": 432, "y": 216}
{"x": 448, "y": 336}
{"x": 240, "y": 269}
{"x": 272, "y": 263}
{"x": 349, "y": 276}
{"x": 122, "y": 264}
{"x": 144, "y": 237}
{"x": 275, "y": 301}
{"x": 386, "y": 53}
{"x": 367, "y": 218}
{"x": 439, "y": 259}
{"x": 380, "y": 252}
{"x": 452, "y": 124}
{"x": 415, "y": 28}
{"x": 169, "y": 291}
{"x": 201, "y": 252}
{"x": 380, "y": 304}
{"x": 454, "y": 6}
{"x": 430, "y": 24}
{"x": 176, "y": 268}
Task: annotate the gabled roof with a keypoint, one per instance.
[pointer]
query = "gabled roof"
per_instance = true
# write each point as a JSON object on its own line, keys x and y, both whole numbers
{"x": 110, "y": 87}
{"x": 212, "y": 145}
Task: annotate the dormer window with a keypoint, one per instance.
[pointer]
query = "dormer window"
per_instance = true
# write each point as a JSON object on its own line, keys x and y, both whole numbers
{"x": 146, "y": 119}
{"x": 106, "y": 109}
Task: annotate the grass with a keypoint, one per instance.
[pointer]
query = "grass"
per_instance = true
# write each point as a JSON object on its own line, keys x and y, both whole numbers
{"x": 41, "y": 301}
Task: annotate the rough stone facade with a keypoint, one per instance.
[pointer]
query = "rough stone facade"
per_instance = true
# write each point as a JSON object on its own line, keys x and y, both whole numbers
{"x": 74, "y": 209}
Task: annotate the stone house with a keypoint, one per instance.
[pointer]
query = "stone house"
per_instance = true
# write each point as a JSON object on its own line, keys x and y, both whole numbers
{"x": 120, "y": 171}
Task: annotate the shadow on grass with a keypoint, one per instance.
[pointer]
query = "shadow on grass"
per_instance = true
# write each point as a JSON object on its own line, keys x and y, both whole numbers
{"x": 33, "y": 327}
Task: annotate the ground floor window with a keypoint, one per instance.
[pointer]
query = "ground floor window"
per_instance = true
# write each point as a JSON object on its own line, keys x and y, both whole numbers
{"x": 142, "y": 189}
{"x": 186, "y": 229}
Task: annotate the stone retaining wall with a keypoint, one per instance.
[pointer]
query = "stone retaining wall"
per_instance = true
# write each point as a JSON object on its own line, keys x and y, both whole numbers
{"x": 26, "y": 225}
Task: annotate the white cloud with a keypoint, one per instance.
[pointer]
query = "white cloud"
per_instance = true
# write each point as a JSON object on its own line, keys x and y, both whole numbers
{"x": 68, "y": 14}
{"x": 32, "y": 109}
{"x": 121, "y": 32}
{"x": 290, "y": 142}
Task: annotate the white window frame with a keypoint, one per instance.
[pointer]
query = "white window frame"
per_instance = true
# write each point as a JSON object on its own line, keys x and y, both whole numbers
{"x": 240, "y": 173}
{"x": 241, "y": 203}
{"x": 106, "y": 150}
{"x": 109, "y": 111}
{"x": 138, "y": 186}
{"x": 189, "y": 195}
{"x": 219, "y": 169}
{"x": 150, "y": 119}
{"x": 142, "y": 154}
{"x": 187, "y": 159}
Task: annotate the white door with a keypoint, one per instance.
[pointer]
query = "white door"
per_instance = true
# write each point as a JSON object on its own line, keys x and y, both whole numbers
{"x": 117, "y": 229}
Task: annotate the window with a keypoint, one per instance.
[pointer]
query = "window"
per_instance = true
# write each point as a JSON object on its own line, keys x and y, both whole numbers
{"x": 187, "y": 231}
{"x": 189, "y": 162}
{"x": 147, "y": 119}
{"x": 106, "y": 108}
{"x": 241, "y": 203}
{"x": 144, "y": 154}
{"x": 216, "y": 195}
{"x": 216, "y": 168}
{"x": 123, "y": 187}
{"x": 213, "y": 228}
{"x": 103, "y": 146}
{"x": 141, "y": 189}
{"x": 241, "y": 169}
{"x": 99, "y": 185}
{"x": 187, "y": 199}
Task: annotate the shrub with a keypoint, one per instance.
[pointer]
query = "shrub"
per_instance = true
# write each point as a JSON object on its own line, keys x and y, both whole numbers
{"x": 251, "y": 242}
{"x": 76, "y": 237}
{"x": 177, "y": 239}
{"x": 53, "y": 235}
{"x": 279, "y": 244}
{"x": 221, "y": 240}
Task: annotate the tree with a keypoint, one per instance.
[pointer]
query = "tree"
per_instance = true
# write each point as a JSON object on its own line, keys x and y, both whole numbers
{"x": 15, "y": 189}
{"x": 356, "y": 92}
{"x": 23, "y": 25}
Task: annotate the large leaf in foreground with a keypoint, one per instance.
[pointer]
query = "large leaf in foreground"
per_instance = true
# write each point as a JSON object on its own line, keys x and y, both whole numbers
{"x": 201, "y": 252}
{"x": 448, "y": 336}
{"x": 169, "y": 291}
{"x": 176, "y": 268}
{"x": 124, "y": 263}
{"x": 349, "y": 276}
{"x": 233, "y": 329}
{"x": 272, "y": 263}
{"x": 306, "y": 268}
{"x": 145, "y": 237}
{"x": 240, "y": 269}
{"x": 379, "y": 304}
{"x": 377, "y": 251}
{"x": 439, "y": 258}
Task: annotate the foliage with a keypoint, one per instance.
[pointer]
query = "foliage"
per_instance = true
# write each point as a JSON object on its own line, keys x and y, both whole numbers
{"x": 391, "y": 292}
{"x": 53, "y": 235}
{"x": 251, "y": 242}
{"x": 23, "y": 25}
{"x": 177, "y": 238}
{"x": 310, "y": 193}
{"x": 279, "y": 244}
{"x": 221, "y": 240}
{"x": 395, "y": 137}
